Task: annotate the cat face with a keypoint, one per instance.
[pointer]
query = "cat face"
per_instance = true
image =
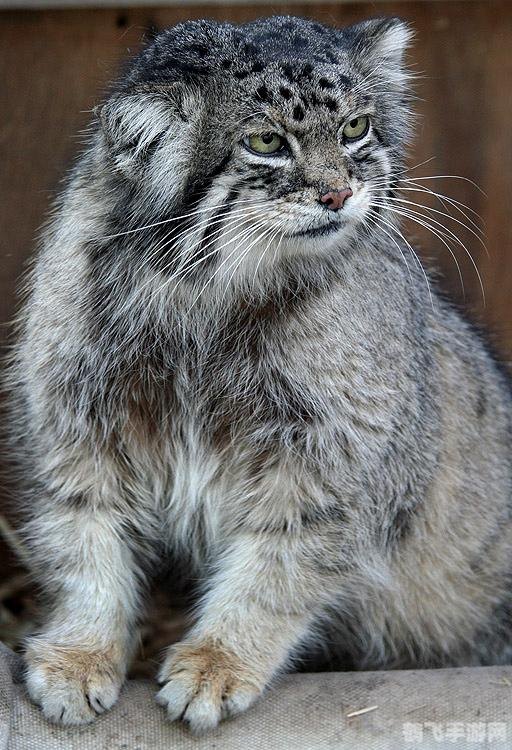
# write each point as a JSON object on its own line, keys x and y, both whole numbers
{"x": 270, "y": 139}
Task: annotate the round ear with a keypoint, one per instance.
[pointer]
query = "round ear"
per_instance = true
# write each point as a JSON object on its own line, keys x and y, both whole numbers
{"x": 383, "y": 42}
{"x": 134, "y": 123}
{"x": 131, "y": 123}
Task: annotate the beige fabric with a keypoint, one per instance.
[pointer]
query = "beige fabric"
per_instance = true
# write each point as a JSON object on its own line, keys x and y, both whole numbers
{"x": 461, "y": 709}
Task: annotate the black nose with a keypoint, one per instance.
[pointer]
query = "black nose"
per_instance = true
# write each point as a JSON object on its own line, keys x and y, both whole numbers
{"x": 334, "y": 199}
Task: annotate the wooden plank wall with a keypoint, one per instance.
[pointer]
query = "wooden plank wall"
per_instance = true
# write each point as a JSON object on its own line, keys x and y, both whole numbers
{"x": 54, "y": 66}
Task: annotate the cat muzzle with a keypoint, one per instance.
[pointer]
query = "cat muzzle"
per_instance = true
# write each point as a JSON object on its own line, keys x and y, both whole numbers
{"x": 334, "y": 199}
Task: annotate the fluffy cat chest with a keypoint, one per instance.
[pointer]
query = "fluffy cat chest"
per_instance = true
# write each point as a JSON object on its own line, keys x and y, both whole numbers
{"x": 217, "y": 400}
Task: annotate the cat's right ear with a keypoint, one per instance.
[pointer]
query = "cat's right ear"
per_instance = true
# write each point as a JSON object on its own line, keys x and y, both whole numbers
{"x": 133, "y": 124}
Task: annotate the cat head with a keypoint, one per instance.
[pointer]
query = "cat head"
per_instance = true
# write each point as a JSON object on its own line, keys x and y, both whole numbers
{"x": 268, "y": 139}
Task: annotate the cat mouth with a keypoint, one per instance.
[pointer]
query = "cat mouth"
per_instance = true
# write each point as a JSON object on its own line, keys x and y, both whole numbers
{"x": 319, "y": 231}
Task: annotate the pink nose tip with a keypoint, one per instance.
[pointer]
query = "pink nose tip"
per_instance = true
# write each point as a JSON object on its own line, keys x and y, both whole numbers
{"x": 334, "y": 199}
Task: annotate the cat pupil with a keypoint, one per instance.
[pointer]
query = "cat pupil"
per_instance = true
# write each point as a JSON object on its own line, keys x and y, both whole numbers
{"x": 267, "y": 138}
{"x": 353, "y": 123}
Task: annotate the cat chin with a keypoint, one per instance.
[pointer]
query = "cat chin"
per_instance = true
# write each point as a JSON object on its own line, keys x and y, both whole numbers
{"x": 318, "y": 242}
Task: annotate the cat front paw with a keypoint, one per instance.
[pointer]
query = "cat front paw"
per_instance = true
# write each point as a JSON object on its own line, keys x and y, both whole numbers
{"x": 204, "y": 683}
{"x": 72, "y": 685}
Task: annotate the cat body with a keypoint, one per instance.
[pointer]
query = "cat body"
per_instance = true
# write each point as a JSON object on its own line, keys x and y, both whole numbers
{"x": 225, "y": 356}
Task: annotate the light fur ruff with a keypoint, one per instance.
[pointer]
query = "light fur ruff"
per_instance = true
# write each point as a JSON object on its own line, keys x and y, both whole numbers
{"x": 211, "y": 365}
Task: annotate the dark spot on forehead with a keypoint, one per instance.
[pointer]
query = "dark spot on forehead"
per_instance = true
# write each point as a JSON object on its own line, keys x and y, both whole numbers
{"x": 241, "y": 74}
{"x": 331, "y": 57}
{"x": 226, "y": 64}
{"x": 285, "y": 93}
{"x": 186, "y": 70}
{"x": 250, "y": 48}
{"x": 257, "y": 67}
{"x": 307, "y": 70}
{"x": 324, "y": 83}
{"x": 298, "y": 113}
{"x": 304, "y": 101}
{"x": 198, "y": 49}
{"x": 263, "y": 94}
{"x": 299, "y": 42}
{"x": 266, "y": 36}
{"x": 288, "y": 72}
{"x": 331, "y": 104}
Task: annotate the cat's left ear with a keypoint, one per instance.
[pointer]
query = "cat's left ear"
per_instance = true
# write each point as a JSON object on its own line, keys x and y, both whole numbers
{"x": 384, "y": 42}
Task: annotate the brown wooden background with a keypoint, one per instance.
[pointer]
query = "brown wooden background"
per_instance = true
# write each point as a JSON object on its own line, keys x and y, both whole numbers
{"x": 54, "y": 66}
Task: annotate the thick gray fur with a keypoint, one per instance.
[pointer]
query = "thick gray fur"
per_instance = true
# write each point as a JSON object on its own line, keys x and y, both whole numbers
{"x": 212, "y": 364}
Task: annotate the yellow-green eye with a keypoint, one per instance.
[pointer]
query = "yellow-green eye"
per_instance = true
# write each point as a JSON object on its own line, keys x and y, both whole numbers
{"x": 266, "y": 143}
{"x": 356, "y": 128}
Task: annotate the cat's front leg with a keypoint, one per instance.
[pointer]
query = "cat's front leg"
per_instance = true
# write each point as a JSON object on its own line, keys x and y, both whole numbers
{"x": 77, "y": 663}
{"x": 260, "y": 606}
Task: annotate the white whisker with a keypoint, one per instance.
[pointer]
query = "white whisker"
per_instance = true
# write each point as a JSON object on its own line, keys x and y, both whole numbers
{"x": 263, "y": 255}
{"x": 181, "y": 274}
{"x": 244, "y": 255}
{"x": 374, "y": 218}
{"x": 256, "y": 228}
{"x": 452, "y": 177}
{"x": 424, "y": 221}
{"x": 418, "y": 261}
{"x": 443, "y": 199}
{"x": 441, "y": 213}
{"x": 205, "y": 223}
{"x": 178, "y": 218}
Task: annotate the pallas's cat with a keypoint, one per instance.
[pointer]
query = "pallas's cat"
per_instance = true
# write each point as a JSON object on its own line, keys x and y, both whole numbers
{"x": 229, "y": 356}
